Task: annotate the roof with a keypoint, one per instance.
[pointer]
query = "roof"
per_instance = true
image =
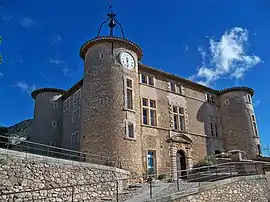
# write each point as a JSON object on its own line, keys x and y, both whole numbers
{"x": 197, "y": 85}
{"x": 91, "y": 42}
{"x": 42, "y": 90}
{"x": 76, "y": 86}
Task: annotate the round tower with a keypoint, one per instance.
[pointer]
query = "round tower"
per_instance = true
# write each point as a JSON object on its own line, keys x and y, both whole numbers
{"x": 110, "y": 100}
{"x": 46, "y": 127}
{"x": 239, "y": 122}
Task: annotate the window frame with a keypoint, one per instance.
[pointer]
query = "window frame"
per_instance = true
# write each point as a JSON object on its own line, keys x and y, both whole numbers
{"x": 210, "y": 98}
{"x": 128, "y": 91}
{"x": 65, "y": 105}
{"x": 78, "y": 139}
{"x": 178, "y": 118}
{"x": 127, "y": 123}
{"x": 76, "y": 97}
{"x": 147, "y": 81}
{"x": 254, "y": 125}
{"x": 54, "y": 124}
{"x": 79, "y": 115}
{"x": 149, "y": 110}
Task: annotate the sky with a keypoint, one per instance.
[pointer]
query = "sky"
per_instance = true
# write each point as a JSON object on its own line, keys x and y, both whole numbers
{"x": 220, "y": 44}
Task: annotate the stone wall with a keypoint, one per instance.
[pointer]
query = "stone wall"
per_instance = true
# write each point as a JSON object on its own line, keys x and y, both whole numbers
{"x": 20, "y": 172}
{"x": 240, "y": 189}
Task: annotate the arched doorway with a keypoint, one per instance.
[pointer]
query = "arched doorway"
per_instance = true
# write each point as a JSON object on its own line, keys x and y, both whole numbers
{"x": 181, "y": 164}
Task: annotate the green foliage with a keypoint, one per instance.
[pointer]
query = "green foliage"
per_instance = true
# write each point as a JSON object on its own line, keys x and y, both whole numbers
{"x": 207, "y": 161}
{"x": 161, "y": 176}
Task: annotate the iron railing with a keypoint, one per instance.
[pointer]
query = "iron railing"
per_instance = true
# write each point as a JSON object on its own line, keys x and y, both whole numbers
{"x": 186, "y": 179}
{"x": 56, "y": 152}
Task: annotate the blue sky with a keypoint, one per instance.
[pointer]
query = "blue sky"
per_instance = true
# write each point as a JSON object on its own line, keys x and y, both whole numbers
{"x": 220, "y": 43}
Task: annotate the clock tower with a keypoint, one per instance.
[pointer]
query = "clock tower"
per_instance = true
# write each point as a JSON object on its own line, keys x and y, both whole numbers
{"x": 110, "y": 115}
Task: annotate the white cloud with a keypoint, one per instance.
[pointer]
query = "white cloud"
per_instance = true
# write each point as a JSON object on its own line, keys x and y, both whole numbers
{"x": 1, "y": 74}
{"x": 57, "y": 39}
{"x": 225, "y": 58}
{"x": 57, "y": 62}
{"x": 25, "y": 87}
{"x": 186, "y": 48}
{"x": 26, "y": 22}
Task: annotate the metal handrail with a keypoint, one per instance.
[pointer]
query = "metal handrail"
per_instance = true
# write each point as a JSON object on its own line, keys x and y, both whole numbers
{"x": 53, "y": 150}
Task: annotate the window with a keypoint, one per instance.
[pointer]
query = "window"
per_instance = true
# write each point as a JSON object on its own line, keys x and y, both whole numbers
{"x": 210, "y": 98}
{"x": 147, "y": 79}
{"x": 254, "y": 125}
{"x": 55, "y": 105}
{"x": 76, "y": 115}
{"x": 259, "y": 149}
{"x": 149, "y": 113}
{"x": 151, "y": 162}
{"x": 129, "y": 94}
{"x": 130, "y": 130}
{"x": 75, "y": 140}
{"x": 178, "y": 118}
{"x": 54, "y": 124}
{"x": 66, "y": 104}
{"x": 214, "y": 127}
{"x": 175, "y": 88}
{"x": 77, "y": 96}
{"x": 249, "y": 98}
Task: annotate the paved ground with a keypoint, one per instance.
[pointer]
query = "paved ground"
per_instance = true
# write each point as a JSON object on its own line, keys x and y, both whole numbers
{"x": 157, "y": 188}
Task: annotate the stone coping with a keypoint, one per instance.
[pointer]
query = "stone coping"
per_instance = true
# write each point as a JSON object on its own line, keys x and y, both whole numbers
{"x": 60, "y": 161}
{"x": 205, "y": 187}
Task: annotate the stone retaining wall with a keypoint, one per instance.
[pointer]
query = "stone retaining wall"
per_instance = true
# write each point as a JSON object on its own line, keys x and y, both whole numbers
{"x": 20, "y": 172}
{"x": 240, "y": 189}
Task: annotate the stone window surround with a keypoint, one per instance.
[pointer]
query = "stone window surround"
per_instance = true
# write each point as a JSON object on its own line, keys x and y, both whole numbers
{"x": 55, "y": 104}
{"x": 177, "y": 87}
{"x": 155, "y": 159}
{"x": 249, "y": 98}
{"x": 78, "y": 95}
{"x": 77, "y": 133}
{"x": 214, "y": 126}
{"x": 147, "y": 79}
{"x": 134, "y": 129}
{"x": 66, "y": 104}
{"x": 79, "y": 115}
{"x": 125, "y": 93}
{"x": 178, "y": 114}
{"x": 210, "y": 98}
{"x": 148, "y": 110}
{"x": 254, "y": 125}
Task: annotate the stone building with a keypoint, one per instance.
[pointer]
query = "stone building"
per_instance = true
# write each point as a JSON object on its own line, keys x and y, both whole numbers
{"x": 148, "y": 119}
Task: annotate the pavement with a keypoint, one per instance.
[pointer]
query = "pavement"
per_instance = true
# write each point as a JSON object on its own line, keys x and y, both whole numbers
{"x": 156, "y": 189}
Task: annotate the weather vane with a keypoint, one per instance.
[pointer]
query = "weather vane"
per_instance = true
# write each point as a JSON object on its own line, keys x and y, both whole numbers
{"x": 112, "y": 23}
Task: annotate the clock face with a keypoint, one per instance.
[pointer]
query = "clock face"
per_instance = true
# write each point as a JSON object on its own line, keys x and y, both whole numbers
{"x": 127, "y": 60}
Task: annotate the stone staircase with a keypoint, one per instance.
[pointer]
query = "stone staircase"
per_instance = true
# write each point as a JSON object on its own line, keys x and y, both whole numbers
{"x": 130, "y": 192}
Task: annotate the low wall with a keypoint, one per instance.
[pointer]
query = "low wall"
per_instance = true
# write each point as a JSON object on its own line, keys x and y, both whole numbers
{"x": 240, "y": 189}
{"x": 20, "y": 172}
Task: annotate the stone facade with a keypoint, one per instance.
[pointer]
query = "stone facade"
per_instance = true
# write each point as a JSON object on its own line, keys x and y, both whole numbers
{"x": 54, "y": 179}
{"x": 212, "y": 121}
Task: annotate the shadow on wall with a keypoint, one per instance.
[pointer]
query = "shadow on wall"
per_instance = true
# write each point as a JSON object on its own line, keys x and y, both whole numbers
{"x": 208, "y": 115}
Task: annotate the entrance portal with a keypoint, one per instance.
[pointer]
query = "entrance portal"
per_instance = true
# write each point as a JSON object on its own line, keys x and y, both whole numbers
{"x": 181, "y": 164}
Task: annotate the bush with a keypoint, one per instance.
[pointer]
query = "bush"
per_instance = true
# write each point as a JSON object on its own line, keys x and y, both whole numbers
{"x": 161, "y": 176}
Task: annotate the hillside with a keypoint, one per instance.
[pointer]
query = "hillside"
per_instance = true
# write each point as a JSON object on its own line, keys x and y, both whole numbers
{"x": 21, "y": 129}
